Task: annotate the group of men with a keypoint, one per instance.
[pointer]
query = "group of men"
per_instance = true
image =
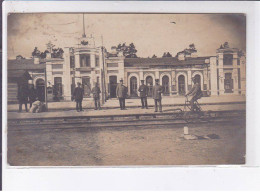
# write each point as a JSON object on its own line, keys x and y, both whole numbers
{"x": 79, "y": 93}
{"x": 121, "y": 93}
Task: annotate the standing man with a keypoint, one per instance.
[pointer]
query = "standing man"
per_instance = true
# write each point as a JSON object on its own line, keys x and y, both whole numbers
{"x": 121, "y": 94}
{"x": 195, "y": 92}
{"x": 157, "y": 95}
{"x": 96, "y": 95}
{"x": 78, "y": 96}
{"x": 143, "y": 89}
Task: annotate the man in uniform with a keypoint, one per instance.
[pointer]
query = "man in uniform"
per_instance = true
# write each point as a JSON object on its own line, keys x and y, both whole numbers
{"x": 121, "y": 94}
{"x": 96, "y": 95}
{"x": 78, "y": 97}
{"x": 157, "y": 95}
{"x": 195, "y": 92}
{"x": 143, "y": 89}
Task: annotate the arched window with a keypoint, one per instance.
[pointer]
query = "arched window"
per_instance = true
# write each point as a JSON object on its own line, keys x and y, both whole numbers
{"x": 165, "y": 84}
{"x": 133, "y": 86}
{"x": 149, "y": 83}
{"x": 198, "y": 79}
{"x": 181, "y": 85}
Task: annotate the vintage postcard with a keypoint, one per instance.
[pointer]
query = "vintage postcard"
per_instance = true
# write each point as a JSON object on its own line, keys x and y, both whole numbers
{"x": 110, "y": 89}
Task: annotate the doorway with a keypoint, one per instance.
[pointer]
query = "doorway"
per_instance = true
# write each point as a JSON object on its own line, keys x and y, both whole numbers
{"x": 228, "y": 83}
{"x": 133, "y": 87}
{"x": 181, "y": 85}
{"x": 40, "y": 89}
{"x": 149, "y": 83}
{"x": 165, "y": 84}
{"x": 112, "y": 86}
{"x": 86, "y": 86}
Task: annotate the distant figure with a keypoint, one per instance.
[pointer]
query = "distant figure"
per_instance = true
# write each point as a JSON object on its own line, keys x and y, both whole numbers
{"x": 78, "y": 96}
{"x": 37, "y": 106}
{"x": 143, "y": 89}
{"x": 121, "y": 94}
{"x": 32, "y": 94}
{"x": 96, "y": 95}
{"x": 195, "y": 92}
{"x": 157, "y": 95}
{"x": 22, "y": 96}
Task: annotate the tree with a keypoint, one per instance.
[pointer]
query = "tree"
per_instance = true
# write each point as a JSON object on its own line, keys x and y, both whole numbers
{"x": 50, "y": 46}
{"x": 129, "y": 51}
{"x": 57, "y": 53}
{"x": 188, "y": 51}
{"x": 43, "y": 54}
{"x": 36, "y": 52}
{"x": 154, "y": 56}
{"x": 167, "y": 54}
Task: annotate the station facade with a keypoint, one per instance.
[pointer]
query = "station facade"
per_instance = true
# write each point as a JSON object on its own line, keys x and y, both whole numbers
{"x": 222, "y": 74}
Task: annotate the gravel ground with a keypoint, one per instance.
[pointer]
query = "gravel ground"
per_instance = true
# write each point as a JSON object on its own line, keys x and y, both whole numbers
{"x": 128, "y": 146}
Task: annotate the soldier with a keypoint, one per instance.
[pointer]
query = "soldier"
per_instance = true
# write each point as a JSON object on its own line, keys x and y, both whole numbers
{"x": 96, "y": 95}
{"x": 143, "y": 89}
{"x": 121, "y": 94}
{"x": 22, "y": 96}
{"x": 78, "y": 97}
{"x": 157, "y": 95}
{"x": 195, "y": 92}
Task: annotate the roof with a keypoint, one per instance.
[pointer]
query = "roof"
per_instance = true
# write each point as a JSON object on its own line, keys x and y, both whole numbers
{"x": 24, "y": 64}
{"x": 172, "y": 61}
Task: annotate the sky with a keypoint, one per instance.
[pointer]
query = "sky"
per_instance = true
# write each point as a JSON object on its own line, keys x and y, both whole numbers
{"x": 150, "y": 33}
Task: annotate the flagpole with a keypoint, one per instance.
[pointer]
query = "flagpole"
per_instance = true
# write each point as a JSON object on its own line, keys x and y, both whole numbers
{"x": 46, "y": 101}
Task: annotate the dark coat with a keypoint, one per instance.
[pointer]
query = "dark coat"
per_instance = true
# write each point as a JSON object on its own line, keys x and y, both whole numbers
{"x": 96, "y": 92}
{"x": 195, "y": 91}
{"x": 157, "y": 92}
{"x": 143, "y": 89}
{"x": 22, "y": 93}
{"x": 78, "y": 94}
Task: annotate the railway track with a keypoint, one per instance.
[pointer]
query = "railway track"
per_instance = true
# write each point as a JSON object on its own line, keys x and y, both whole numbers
{"x": 115, "y": 121}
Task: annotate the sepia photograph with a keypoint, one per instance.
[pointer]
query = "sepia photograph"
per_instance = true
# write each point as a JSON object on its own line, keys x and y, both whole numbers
{"x": 126, "y": 89}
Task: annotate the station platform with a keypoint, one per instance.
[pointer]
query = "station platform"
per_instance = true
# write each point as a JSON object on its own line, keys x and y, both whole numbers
{"x": 136, "y": 103}
{"x": 116, "y": 112}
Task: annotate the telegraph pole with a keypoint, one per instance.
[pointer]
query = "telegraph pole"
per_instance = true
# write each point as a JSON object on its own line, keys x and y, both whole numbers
{"x": 45, "y": 90}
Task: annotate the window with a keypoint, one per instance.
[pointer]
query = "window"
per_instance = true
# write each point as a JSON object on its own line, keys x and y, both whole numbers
{"x": 228, "y": 59}
{"x": 57, "y": 87}
{"x": 84, "y": 60}
{"x": 72, "y": 62}
{"x": 97, "y": 61}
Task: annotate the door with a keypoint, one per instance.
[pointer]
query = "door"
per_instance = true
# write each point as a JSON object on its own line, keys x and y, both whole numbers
{"x": 165, "y": 84}
{"x": 112, "y": 86}
{"x": 228, "y": 83}
{"x": 133, "y": 86}
{"x": 58, "y": 86}
{"x": 181, "y": 85}
{"x": 149, "y": 83}
{"x": 86, "y": 86}
{"x": 40, "y": 89}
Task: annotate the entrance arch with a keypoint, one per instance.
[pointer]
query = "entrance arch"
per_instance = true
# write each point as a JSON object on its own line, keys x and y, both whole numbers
{"x": 133, "y": 86}
{"x": 181, "y": 85}
{"x": 149, "y": 83}
{"x": 112, "y": 86}
{"x": 40, "y": 89}
{"x": 165, "y": 85}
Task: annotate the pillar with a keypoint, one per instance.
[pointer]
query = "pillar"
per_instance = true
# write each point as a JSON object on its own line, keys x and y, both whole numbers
{"x": 213, "y": 76}
{"x": 235, "y": 74}
{"x": 221, "y": 74}
{"x": 66, "y": 81}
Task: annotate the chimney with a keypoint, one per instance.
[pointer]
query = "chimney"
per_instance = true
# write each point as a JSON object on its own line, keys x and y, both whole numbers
{"x": 36, "y": 60}
{"x": 181, "y": 57}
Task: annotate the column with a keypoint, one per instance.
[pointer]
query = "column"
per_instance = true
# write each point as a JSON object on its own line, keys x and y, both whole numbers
{"x": 77, "y": 66}
{"x": 221, "y": 74}
{"x": 189, "y": 82}
{"x": 173, "y": 84}
{"x": 157, "y": 74}
{"x": 235, "y": 74}
{"x": 213, "y": 76}
{"x": 66, "y": 79}
{"x": 243, "y": 75}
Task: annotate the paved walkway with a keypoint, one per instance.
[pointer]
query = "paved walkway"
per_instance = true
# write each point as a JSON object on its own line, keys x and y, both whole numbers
{"x": 134, "y": 103}
{"x": 117, "y": 111}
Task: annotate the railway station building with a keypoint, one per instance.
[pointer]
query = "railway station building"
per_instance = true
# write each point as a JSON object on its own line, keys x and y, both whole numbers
{"x": 222, "y": 74}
